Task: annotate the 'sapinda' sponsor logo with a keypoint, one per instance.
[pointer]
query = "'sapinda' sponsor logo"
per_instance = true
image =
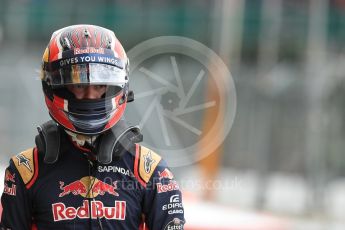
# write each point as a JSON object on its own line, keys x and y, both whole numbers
{"x": 114, "y": 169}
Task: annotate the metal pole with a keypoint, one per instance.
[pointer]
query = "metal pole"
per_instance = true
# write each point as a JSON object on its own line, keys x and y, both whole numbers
{"x": 315, "y": 58}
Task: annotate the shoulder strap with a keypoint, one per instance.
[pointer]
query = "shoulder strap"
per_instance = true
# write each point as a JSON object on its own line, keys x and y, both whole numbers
{"x": 48, "y": 138}
{"x": 116, "y": 141}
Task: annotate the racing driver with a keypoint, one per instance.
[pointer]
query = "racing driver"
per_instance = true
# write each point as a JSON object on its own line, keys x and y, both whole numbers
{"x": 87, "y": 170}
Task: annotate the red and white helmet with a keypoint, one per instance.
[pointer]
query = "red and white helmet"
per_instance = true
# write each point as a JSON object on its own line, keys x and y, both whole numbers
{"x": 85, "y": 55}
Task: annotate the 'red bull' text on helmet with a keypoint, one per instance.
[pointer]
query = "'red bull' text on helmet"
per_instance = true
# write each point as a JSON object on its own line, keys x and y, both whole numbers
{"x": 85, "y": 55}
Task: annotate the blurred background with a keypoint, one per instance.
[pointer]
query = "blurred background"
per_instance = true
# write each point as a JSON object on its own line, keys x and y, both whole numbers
{"x": 282, "y": 166}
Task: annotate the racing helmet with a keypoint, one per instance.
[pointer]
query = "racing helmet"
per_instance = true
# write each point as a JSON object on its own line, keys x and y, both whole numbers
{"x": 82, "y": 55}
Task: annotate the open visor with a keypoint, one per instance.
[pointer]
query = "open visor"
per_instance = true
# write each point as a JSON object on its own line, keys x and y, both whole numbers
{"x": 88, "y": 73}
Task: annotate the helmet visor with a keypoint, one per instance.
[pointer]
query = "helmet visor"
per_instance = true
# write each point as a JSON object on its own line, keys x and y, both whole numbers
{"x": 90, "y": 73}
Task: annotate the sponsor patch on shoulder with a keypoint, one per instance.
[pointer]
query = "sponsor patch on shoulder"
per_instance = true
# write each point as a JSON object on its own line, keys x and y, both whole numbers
{"x": 148, "y": 161}
{"x": 26, "y": 164}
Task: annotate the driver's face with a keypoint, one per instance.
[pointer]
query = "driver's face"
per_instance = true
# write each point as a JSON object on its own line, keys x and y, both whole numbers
{"x": 87, "y": 91}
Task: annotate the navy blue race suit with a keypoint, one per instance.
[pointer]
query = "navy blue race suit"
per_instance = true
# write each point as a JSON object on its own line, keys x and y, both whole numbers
{"x": 77, "y": 192}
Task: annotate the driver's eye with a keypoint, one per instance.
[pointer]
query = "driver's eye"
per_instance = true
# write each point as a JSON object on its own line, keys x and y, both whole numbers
{"x": 99, "y": 86}
{"x": 79, "y": 86}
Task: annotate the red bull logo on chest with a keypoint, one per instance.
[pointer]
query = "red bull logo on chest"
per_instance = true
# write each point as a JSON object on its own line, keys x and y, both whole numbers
{"x": 89, "y": 187}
